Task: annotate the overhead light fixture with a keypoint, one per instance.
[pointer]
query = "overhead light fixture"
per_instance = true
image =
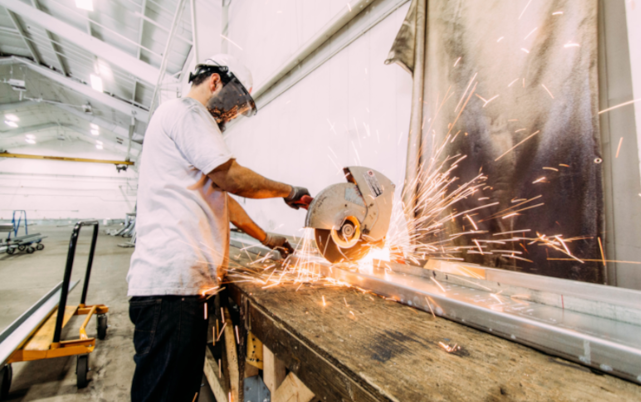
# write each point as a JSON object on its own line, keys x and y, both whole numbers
{"x": 11, "y": 117}
{"x": 30, "y": 141}
{"x": 96, "y": 83}
{"x": 30, "y": 136}
{"x": 99, "y": 146}
{"x": 95, "y": 132}
{"x": 11, "y": 123}
{"x": 85, "y": 4}
{"x": 94, "y": 126}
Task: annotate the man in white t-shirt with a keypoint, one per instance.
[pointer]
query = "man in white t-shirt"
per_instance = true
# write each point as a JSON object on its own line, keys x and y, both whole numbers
{"x": 182, "y": 226}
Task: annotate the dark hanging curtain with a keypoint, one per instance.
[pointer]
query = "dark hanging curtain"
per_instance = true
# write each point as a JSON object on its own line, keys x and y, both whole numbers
{"x": 526, "y": 73}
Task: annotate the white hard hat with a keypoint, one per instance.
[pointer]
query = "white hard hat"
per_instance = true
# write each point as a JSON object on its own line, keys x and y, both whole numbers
{"x": 233, "y": 65}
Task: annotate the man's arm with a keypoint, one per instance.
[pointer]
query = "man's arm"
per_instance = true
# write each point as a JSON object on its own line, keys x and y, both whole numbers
{"x": 242, "y": 221}
{"x": 244, "y": 182}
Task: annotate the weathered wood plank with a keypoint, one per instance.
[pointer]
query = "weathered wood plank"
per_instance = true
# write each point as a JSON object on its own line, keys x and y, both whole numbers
{"x": 274, "y": 370}
{"x": 211, "y": 373}
{"x": 232, "y": 357}
{"x": 359, "y": 347}
{"x": 292, "y": 390}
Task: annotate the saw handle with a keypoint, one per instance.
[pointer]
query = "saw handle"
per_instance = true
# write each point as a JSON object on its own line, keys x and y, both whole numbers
{"x": 304, "y": 201}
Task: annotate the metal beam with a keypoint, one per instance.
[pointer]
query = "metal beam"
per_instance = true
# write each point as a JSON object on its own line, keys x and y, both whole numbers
{"x": 93, "y": 45}
{"x": 16, "y": 105}
{"x": 143, "y": 8}
{"x": 5, "y": 135}
{"x": 110, "y": 101}
{"x": 62, "y": 158}
{"x": 114, "y": 128}
{"x": 50, "y": 36}
{"x": 165, "y": 57}
{"x": 23, "y": 35}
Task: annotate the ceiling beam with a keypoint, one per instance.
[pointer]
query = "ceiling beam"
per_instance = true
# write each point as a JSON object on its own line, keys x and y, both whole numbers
{"x": 120, "y": 131}
{"x": 5, "y": 135}
{"x": 89, "y": 43}
{"x": 107, "y": 100}
{"x": 23, "y": 35}
{"x": 16, "y": 105}
{"x": 36, "y": 4}
{"x": 10, "y": 137}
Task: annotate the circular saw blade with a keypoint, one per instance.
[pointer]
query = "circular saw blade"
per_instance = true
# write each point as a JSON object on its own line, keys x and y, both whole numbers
{"x": 335, "y": 254}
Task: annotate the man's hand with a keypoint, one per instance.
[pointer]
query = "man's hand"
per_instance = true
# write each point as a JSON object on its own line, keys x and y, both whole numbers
{"x": 278, "y": 243}
{"x": 294, "y": 199}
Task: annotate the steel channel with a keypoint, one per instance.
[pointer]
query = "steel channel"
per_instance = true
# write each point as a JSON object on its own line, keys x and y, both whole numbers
{"x": 601, "y": 343}
{"x": 23, "y": 327}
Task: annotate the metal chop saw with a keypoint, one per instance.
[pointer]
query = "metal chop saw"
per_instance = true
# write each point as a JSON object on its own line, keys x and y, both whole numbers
{"x": 351, "y": 218}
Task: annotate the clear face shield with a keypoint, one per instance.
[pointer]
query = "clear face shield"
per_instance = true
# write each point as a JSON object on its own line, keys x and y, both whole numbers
{"x": 231, "y": 102}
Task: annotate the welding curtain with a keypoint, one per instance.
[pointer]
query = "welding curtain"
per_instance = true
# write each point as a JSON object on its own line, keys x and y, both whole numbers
{"x": 533, "y": 67}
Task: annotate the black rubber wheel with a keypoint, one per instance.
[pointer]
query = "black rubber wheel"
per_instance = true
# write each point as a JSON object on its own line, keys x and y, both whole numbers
{"x": 40, "y": 246}
{"x": 30, "y": 250}
{"x": 21, "y": 247}
{"x": 11, "y": 250}
{"x": 102, "y": 326}
{"x": 335, "y": 254}
{"x": 82, "y": 369}
{"x": 6, "y": 373}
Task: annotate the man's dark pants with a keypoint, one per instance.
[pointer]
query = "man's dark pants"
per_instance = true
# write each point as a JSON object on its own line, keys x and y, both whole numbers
{"x": 170, "y": 340}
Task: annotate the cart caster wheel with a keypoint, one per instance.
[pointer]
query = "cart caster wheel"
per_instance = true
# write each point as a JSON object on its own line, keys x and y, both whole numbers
{"x": 11, "y": 251}
{"x": 6, "y": 373}
{"x": 82, "y": 368}
{"x": 102, "y": 326}
{"x": 21, "y": 248}
{"x": 40, "y": 246}
{"x": 30, "y": 250}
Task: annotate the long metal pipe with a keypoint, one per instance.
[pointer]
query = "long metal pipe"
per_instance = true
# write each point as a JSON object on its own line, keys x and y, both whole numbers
{"x": 339, "y": 21}
{"x": 165, "y": 57}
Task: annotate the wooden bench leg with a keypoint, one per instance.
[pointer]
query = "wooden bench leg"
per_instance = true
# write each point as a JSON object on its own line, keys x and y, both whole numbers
{"x": 292, "y": 390}
{"x": 274, "y": 371}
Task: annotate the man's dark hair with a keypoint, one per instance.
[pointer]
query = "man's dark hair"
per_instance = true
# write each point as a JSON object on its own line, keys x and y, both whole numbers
{"x": 204, "y": 72}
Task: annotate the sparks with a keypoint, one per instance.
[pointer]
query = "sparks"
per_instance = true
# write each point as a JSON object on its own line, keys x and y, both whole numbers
{"x": 619, "y": 147}
{"x": 602, "y": 253}
{"x": 528, "y": 35}
{"x": 349, "y": 7}
{"x": 510, "y": 84}
{"x": 439, "y": 285}
{"x": 525, "y": 50}
{"x": 557, "y": 13}
{"x": 619, "y": 105}
{"x": 511, "y": 149}
{"x": 567, "y": 45}
{"x": 457, "y": 60}
{"x": 546, "y": 88}
{"x": 500, "y": 39}
{"x": 526, "y": 6}
{"x": 324, "y": 304}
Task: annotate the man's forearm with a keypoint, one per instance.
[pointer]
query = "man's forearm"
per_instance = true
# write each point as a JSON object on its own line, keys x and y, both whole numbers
{"x": 242, "y": 221}
{"x": 244, "y": 182}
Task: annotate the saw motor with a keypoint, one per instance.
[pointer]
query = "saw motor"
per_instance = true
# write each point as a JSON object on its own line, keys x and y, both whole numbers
{"x": 351, "y": 218}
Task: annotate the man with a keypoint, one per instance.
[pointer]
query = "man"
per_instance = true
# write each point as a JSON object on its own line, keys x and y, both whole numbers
{"x": 182, "y": 226}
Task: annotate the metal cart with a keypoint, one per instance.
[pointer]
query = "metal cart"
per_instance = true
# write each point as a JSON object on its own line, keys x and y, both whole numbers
{"x": 36, "y": 335}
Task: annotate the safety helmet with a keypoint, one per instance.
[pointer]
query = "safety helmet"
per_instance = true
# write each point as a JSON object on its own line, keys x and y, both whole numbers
{"x": 234, "y": 98}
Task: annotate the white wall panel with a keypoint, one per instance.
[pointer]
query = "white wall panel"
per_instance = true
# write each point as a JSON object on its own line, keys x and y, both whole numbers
{"x": 275, "y": 29}
{"x": 60, "y": 190}
{"x": 351, "y": 110}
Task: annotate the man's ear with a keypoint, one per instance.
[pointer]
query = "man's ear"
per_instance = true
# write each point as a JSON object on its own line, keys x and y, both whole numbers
{"x": 214, "y": 81}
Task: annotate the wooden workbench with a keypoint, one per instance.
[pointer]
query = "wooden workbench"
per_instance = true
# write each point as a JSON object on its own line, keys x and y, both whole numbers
{"x": 360, "y": 347}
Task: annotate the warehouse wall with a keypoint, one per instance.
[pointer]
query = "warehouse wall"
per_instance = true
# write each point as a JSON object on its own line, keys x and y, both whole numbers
{"x": 61, "y": 190}
{"x": 352, "y": 110}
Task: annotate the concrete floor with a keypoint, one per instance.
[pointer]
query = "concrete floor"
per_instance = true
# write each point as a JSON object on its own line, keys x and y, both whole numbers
{"x": 25, "y": 278}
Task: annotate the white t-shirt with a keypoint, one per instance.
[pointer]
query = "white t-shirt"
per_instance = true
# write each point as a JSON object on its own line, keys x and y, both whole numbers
{"x": 182, "y": 221}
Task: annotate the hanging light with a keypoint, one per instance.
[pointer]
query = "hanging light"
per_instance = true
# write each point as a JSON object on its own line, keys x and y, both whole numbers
{"x": 96, "y": 83}
{"x": 11, "y": 117}
{"x": 85, "y": 4}
{"x": 95, "y": 132}
{"x": 11, "y": 123}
